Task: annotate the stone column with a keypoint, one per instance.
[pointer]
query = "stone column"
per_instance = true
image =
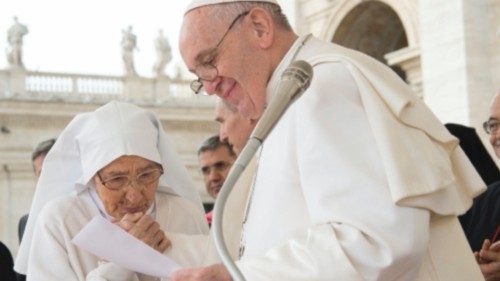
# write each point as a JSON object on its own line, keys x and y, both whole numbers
{"x": 5, "y": 201}
{"x": 4, "y": 82}
{"x": 17, "y": 186}
{"x": 455, "y": 59}
{"x": 138, "y": 89}
{"x": 17, "y": 81}
{"x": 161, "y": 88}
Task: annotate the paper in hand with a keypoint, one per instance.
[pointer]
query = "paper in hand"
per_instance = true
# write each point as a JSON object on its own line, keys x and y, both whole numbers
{"x": 109, "y": 242}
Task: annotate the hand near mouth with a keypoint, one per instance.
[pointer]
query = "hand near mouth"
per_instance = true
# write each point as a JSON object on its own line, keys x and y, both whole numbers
{"x": 144, "y": 228}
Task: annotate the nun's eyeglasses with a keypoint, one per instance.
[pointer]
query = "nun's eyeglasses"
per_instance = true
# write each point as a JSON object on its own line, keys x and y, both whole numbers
{"x": 207, "y": 71}
{"x": 491, "y": 126}
{"x": 142, "y": 179}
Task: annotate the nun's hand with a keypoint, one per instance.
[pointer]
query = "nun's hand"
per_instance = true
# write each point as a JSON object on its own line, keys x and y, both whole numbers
{"x": 144, "y": 228}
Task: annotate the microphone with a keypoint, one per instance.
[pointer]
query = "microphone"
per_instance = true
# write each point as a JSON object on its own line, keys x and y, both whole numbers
{"x": 294, "y": 81}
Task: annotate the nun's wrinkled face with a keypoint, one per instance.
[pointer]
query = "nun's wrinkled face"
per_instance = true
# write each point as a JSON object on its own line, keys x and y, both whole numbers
{"x": 128, "y": 185}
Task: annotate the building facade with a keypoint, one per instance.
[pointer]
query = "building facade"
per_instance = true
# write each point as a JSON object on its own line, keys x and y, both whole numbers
{"x": 447, "y": 51}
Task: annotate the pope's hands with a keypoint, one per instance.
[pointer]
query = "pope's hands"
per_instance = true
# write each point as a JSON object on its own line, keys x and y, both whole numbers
{"x": 215, "y": 272}
{"x": 489, "y": 260}
{"x": 144, "y": 228}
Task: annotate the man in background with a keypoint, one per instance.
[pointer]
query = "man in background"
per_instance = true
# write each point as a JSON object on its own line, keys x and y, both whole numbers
{"x": 215, "y": 158}
{"x": 234, "y": 128}
{"x": 39, "y": 153}
{"x": 484, "y": 223}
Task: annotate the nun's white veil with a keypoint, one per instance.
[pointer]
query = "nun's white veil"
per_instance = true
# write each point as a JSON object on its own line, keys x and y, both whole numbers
{"x": 90, "y": 142}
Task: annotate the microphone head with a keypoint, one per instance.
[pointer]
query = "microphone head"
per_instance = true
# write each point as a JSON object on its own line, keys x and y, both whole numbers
{"x": 300, "y": 71}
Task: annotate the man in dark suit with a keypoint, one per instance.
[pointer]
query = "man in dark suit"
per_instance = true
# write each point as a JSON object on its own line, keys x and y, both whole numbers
{"x": 6, "y": 264}
{"x": 482, "y": 222}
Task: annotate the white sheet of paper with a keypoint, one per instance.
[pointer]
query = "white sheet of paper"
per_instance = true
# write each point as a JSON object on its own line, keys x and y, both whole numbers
{"x": 109, "y": 242}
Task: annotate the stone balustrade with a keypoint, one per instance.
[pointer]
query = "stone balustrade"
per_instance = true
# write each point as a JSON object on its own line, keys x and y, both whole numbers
{"x": 73, "y": 84}
{"x": 18, "y": 84}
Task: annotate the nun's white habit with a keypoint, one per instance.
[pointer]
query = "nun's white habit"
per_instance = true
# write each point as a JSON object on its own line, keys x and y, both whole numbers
{"x": 65, "y": 200}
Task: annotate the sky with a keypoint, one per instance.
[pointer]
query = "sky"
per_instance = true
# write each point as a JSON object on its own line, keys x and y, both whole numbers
{"x": 83, "y": 36}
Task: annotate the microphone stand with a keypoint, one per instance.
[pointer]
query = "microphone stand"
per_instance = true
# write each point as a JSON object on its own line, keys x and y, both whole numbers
{"x": 238, "y": 167}
{"x": 294, "y": 81}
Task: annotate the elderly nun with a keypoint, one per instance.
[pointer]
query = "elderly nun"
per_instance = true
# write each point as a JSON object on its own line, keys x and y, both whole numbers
{"x": 115, "y": 162}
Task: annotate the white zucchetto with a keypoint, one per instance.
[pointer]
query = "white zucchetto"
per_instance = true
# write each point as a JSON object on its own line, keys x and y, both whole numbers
{"x": 200, "y": 3}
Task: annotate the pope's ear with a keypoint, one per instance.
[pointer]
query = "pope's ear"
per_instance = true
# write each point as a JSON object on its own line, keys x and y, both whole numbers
{"x": 262, "y": 27}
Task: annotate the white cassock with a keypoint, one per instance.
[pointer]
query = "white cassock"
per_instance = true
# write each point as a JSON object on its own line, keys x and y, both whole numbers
{"x": 357, "y": 181}
{"x": 54, "y": 257}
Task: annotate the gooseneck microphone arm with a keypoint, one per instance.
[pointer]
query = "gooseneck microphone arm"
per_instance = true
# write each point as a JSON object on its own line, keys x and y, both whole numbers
{"x": 294, "y": 81}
